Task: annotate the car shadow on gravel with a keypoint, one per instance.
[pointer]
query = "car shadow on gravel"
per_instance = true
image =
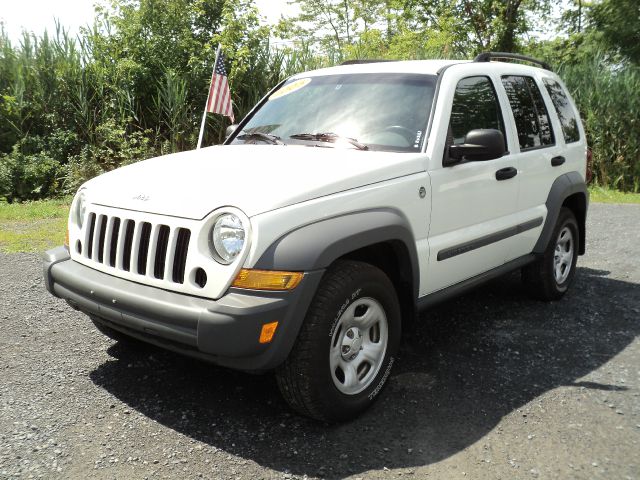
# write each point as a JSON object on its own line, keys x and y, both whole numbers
{"x": 466, "y": 364}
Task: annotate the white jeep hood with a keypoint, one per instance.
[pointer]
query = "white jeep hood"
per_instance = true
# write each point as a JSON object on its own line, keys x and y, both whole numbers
{"x": 253, "y": 178}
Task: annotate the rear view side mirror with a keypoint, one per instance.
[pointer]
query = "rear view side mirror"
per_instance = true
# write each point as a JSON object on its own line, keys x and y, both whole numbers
{"x": 479, "y": 145}
{"x": 230, "y": 130}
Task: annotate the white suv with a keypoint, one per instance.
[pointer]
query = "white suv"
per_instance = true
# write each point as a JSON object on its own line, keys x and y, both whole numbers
{"x": 347, "y": 200}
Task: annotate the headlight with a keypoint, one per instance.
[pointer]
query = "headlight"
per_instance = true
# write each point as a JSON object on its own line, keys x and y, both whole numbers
{"x": 227, "y": 236}
{"x": 80, "y": 209}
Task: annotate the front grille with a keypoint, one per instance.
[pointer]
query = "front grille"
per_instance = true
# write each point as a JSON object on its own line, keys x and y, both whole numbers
{"x": 142, "y": 248}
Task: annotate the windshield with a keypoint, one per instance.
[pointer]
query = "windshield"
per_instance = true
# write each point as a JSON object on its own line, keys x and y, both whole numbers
{"x": 380, "y": 111}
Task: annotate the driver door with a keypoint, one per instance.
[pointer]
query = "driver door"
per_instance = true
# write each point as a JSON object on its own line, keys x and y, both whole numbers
{"x": 473, "y": 206}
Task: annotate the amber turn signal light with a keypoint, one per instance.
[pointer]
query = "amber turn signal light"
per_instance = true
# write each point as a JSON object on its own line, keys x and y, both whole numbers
{"x": 267, "y": 279}
{"x": 268, "y": 331}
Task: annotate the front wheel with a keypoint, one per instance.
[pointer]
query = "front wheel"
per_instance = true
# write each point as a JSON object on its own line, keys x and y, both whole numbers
{"x": 346, "y": 346}
{"x": 549, "y": 277}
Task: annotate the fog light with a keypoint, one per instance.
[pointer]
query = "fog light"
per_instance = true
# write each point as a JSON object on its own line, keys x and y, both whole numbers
{"x": 268, "y": 331}
{"x": 267, "y": 279}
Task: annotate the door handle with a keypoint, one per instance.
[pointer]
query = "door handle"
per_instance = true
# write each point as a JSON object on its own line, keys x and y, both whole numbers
{"x": 506, "y": 173}
{"x": 557, "y": 161}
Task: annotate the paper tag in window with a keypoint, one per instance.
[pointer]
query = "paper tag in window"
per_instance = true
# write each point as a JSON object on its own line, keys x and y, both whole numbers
{"x": 292, "y": 87}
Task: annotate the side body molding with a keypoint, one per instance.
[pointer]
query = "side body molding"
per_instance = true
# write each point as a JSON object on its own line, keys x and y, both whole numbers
{"x": 563, "y": 187}
{"x": 316, "y": 245}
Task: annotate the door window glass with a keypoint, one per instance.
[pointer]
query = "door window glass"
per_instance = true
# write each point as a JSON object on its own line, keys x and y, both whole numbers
{"x": 529, "y": 111}
{"x": 475, "y": 105}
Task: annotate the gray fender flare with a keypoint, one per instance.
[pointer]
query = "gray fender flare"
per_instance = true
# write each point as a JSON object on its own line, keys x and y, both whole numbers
{"x": 315, "y": 246}
{"x": 563, "y": 187}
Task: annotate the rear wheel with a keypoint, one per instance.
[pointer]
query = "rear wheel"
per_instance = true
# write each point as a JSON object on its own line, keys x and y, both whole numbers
{"x": 346, "y": 346}
{"x": 549, "y": 277}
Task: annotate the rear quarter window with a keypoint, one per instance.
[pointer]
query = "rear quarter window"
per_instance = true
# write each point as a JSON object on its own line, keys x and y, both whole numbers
{"x": 566, "y": 112}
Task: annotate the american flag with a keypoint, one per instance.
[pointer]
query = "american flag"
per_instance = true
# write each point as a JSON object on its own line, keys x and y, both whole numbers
{"x": 219, "y": 94}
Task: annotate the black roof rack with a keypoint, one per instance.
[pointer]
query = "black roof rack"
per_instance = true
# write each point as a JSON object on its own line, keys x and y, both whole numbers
{"x": 488, "y": 56}
{"x": 358, "y": 62}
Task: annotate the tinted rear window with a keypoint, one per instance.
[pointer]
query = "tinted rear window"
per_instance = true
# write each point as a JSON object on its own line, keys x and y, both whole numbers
{"x": 566, "y": 113}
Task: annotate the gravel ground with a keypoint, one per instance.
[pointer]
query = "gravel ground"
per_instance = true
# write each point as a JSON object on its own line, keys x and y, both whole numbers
{"x": 490, "y": 385}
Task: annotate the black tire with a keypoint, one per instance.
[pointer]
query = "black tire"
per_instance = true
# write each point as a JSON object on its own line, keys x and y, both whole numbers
{"x": 306, "y": 379}
{"x": 539, "y": 277}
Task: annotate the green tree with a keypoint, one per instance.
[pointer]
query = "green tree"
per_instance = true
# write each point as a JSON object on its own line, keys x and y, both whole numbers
{"x": 480, "y": 25}
{"x": 416, "y": 27}
{"x": 617, "y": 23}
{"x": 330, "y": 23}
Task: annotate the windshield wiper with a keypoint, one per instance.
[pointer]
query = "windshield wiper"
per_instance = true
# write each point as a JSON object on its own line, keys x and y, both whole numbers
{"x": 272, "y": 139}
{"x": 329, "y": 137}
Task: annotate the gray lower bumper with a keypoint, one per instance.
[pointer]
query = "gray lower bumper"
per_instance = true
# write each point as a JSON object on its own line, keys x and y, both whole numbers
{"x": 225, "y": 331}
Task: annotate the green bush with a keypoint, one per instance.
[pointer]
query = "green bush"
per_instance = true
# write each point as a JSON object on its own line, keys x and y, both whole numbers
{"x": 34, "y": 168}
{"x": 113, "y": 148}
{"x": 28, "y": 177}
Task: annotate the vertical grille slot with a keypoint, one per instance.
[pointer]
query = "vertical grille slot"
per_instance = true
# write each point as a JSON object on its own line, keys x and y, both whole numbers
{"x": 128, "y": 241}
{"x": 161, "y": 251}
{"x": 103, "y": 231}
{"x": 92, "y": 227}
{"x": 114, "y": 241}
{"x": 145, "y": 235}
{"x": 180, "y": 258}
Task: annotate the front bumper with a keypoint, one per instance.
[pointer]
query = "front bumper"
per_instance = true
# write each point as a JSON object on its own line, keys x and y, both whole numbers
{"x": 224, "y": 331}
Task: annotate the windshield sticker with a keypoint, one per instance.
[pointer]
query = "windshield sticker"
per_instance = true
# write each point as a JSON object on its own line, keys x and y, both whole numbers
{"x": 416, "y": 144}
{"x": 292, "y": 87}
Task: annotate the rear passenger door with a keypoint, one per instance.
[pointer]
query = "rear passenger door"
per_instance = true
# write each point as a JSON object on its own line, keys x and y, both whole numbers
{"x": 575, "y": 148}
{"x": 539, "y": 155}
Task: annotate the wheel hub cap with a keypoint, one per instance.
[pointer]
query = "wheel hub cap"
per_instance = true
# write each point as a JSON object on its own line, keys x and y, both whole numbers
{"x": 358, "y": 345}
{"x": 563, "y": 255}
{"x": 351, "y": 344}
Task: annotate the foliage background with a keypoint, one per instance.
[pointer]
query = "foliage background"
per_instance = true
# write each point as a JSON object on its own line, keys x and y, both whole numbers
{"x": 133, "y": 84}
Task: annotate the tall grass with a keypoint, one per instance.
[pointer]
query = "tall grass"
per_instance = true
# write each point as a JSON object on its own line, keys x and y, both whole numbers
{"x": 69, "y": 111}
{"x": 608, "y": 98}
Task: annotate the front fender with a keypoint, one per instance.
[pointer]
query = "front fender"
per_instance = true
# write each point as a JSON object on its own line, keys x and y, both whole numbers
{"x": 315, "y": 246}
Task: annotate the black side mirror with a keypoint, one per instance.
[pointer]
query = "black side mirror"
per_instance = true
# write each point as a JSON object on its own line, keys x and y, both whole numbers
{"x": 479, "y": 145}
{"x": 230, "y": 130}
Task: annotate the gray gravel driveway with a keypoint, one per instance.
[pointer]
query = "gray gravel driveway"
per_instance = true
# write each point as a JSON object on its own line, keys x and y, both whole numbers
{"x": 489, "y": 385}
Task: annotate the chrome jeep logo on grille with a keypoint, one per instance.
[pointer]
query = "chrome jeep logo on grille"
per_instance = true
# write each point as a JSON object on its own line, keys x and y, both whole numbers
{"x": 141, "y": 197}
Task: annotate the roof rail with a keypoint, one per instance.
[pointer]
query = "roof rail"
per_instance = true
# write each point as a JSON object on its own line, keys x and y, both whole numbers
{"x": 359, "y": 62}
{"x": 488, "y": 56}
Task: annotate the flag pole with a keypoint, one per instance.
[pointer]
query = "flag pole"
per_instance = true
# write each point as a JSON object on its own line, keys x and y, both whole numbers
{"x": 206, "y": 105}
